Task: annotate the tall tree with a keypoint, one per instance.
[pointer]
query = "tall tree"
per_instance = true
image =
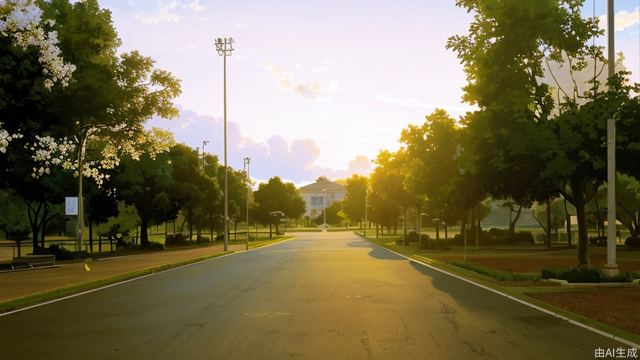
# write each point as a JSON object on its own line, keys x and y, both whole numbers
{"x": 275, "y": 195}
{"x": 354, "y": 201}
{"x": 518, "y": 145}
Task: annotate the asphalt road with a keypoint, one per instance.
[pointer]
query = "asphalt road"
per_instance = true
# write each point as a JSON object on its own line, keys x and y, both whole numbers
{"x": 320, "y": 296}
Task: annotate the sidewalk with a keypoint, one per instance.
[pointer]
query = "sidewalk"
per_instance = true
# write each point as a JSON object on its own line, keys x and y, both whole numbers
{"x": 18, "y": 284}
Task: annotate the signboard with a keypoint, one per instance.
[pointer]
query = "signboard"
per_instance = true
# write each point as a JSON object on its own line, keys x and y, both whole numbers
{"x": 71, "y": 205}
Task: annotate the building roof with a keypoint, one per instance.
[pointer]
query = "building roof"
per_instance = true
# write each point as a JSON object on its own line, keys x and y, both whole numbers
{"x": 321, "y": 184}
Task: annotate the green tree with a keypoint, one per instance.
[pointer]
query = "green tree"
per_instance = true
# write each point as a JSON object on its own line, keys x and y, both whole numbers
{"x": 149, "y": 185}
{"x": 276, "y": 195}
{"x": 354, "y": 201}
{"x": 524, "y": 150}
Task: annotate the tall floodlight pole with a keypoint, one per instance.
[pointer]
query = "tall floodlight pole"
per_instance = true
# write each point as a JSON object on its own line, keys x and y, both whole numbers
{"x": 246, "y": 164}
{"x": 204, "y": 143}
{"x": 611, "y": 267}
{"x": 224, "y": 46}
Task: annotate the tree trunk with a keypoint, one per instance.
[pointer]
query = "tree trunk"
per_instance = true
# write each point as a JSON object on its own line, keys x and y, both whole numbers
{"x": 270, "y": 231}
{"x": 599, "y": 221}
{"x": 90, "y": 235}
{"x": 43, "y": 226}
{"x": 404, "y": 227}
{"x": 34, "y": 217}
{"x": 144, "y": 235}
{"x": 513, "y": 221}
{"x": 567, "y": 216}
{"x": 547, "y": 241}
{"x": 463, "y": 223}
{"x": 583, "y": 236}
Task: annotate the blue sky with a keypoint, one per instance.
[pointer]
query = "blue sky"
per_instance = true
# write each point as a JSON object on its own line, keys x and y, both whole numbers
{"x": 315, "y": 87}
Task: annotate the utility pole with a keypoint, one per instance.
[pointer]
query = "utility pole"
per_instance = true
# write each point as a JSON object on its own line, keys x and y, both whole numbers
{"x": 224, "y": 46}
{"x": 611, "y": 268}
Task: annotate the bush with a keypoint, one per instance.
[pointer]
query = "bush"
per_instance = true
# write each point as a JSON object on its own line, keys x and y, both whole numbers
{"x": 580, "y": 274}
{"x": 632, "y": 242}
{"x": 600, "y": 241}
{"x": 523, "y": 237}
{"x": 63, "y": 254}
{"x": 498, "y": 233}
{"x": 203, "y": 240}
{"x": 587, "y": 274}
{"x": 155, "y": 246}
{"x": 496, "y": 274}
{"x": 176, "y": 240}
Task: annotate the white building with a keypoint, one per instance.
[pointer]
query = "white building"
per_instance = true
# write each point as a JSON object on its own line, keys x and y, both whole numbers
{"x": 314, "y": 195}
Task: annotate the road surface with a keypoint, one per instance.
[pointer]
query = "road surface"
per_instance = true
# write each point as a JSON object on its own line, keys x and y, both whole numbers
{"x": 320, "y": 296}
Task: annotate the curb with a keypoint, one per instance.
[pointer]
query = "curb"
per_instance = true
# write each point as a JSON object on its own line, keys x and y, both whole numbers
{"x": 498, "y": 292}
{"x": 633, "y": 283}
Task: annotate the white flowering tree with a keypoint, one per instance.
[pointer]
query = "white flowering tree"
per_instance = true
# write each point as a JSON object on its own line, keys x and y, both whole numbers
{"x": 97, "y": 114}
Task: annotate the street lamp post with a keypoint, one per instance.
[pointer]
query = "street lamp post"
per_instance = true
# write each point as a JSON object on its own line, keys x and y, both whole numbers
{"x": 246, "y": 164}
{"x": 224, "y": 46}
{"x": 611, "y": 268}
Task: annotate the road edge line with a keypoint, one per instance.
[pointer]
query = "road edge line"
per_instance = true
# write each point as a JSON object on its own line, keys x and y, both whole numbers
{"x": 523, "y": 302}
{"x": 121, "y": 282}
{"x": 153, "y": 272}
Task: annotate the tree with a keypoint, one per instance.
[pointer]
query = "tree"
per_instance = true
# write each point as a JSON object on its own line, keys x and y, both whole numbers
{"x": 14, "y": 221}
{"x": 148, "y": 184}
{"x": 276, "y": 195}
{"x": 104, "y": 105}
{"x": 333, "y": 214}
{"x": 354, "y": 201}
{"x": 530, "y": 151}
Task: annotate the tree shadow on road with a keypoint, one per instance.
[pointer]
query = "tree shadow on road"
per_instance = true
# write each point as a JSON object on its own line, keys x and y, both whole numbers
{"x": 376, "y": 251}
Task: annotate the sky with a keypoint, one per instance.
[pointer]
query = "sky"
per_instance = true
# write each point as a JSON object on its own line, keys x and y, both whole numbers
{"x": 314, "y": 87}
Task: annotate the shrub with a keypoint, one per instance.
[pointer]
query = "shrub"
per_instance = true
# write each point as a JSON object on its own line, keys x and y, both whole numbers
{"x": 580, "y": 274}
{"x": 632, "y": 242}
{"x": 64, "y": 254}
{"x": 600, "y": 241}
{"x": 523, "y": 237}
{"x": 155, "y": 246}
{"x": 498, "y": 233}
{"x": 496, "y": 274}
{"x": 203, "y": 240}
{"x": 176, "y": 240}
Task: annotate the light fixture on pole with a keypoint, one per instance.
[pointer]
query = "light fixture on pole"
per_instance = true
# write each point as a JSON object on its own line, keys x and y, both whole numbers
{"x": 204, "y": 143}
{"x": 247, "y": 160}
{"x": 224, "y": 46}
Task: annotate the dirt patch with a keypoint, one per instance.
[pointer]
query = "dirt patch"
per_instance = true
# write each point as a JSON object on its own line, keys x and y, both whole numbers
{"x": 613, "y": 306}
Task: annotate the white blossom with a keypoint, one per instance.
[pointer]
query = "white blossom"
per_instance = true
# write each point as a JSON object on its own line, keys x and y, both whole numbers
{"x": 21, "y": 21}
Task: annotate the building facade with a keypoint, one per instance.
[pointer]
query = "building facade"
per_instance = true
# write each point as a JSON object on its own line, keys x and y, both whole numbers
{"x": 320, "y": 192}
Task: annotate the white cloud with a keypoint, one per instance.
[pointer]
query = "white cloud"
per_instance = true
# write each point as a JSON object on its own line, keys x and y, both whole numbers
{"x": 310, "y": 89}
{"x": 295, "y": 160}
{"x": 623, "y": 19}
{"x": 162, "y": 11}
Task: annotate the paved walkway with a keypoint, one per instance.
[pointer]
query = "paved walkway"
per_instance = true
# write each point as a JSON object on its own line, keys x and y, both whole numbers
{"x": 21, "y": 283}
